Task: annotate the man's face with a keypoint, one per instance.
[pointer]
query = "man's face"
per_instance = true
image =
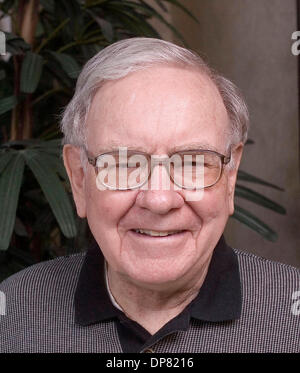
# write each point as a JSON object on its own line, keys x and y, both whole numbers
{"x": 154, "y": 111}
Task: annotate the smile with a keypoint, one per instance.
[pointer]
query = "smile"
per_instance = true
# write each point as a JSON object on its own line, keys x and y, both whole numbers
{"x": 157, "y": 233}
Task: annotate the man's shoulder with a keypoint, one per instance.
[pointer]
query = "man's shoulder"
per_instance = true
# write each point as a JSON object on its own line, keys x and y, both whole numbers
{"x": 39, "y": 312}
{"x": 253, "y": 264}
{"x": 56, "y": 274}
{"x": 267, "y": 280}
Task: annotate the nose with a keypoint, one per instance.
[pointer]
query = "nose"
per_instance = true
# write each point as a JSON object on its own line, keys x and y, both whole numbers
{"x": 160, "y": 196}
{"x": 159, "y": 201}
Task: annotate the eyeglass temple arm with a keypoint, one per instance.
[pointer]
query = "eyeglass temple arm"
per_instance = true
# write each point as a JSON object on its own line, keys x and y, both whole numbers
{"x": 92, "y": 161}
{"x": 226, "y": 159}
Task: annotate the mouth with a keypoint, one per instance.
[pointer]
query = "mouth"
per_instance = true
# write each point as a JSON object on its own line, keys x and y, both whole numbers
{"x": 151, "y": 233}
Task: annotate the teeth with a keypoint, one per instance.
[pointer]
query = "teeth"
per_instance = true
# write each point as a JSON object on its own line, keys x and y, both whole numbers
{"x": 155, "y": 233}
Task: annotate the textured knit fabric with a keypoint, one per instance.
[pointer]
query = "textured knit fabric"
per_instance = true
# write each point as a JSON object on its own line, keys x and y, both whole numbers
{"x": 93, "y": 304}
{"x": 40, "y": 314}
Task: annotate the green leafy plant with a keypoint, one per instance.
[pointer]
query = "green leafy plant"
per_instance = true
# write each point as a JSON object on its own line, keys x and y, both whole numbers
{"x": 49, "y": 42}
{"x": 245, "y": 216}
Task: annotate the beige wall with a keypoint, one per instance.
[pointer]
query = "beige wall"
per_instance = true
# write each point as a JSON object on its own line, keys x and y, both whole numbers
{"x": 249, "y": 41}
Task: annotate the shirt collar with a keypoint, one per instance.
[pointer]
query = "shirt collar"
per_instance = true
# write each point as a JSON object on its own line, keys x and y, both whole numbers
{"x": 219, "y": 298}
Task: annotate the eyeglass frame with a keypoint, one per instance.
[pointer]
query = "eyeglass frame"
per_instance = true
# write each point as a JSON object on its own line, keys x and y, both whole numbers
{"x": 224, "y": 161}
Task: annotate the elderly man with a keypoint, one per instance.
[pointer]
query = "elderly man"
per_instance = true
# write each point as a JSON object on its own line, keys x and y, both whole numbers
{"x": 153, "y": 141}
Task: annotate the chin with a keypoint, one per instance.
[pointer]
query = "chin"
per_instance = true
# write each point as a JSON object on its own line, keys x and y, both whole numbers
{"x": 154, "y": 274}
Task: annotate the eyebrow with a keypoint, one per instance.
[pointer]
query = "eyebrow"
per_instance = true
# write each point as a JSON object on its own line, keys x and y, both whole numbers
{"x": 194, "y": 146}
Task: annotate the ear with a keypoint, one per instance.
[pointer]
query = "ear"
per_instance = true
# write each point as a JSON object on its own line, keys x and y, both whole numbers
{"x": 71, "y": 155}
{"x": 236, "y": 154}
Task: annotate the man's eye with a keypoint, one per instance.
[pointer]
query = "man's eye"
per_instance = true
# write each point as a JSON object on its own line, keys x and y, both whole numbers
{"x": 197, "y": 164}
{"x": 126, "y": 165}
{"x": 190, "y": 164}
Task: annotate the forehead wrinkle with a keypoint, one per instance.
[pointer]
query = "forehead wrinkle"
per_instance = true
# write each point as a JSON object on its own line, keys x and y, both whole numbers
{"x": 115, "y": 145}
{"x": 208, "y": 95}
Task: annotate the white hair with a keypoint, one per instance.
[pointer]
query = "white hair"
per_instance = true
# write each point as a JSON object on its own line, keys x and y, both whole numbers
{"x": 129, "y": 55}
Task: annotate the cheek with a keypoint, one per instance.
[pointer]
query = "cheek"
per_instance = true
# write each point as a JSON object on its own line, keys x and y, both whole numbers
{"x": 100, "y": 205}
{"x": 214, "y": 204}
{"x": 105, "y": 209}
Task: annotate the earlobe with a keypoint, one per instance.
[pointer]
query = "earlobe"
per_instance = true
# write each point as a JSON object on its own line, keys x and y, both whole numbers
{"x": 72, "y": 162}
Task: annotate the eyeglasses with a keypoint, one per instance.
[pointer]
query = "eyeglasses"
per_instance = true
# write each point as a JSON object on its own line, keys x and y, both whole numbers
{"x": 129, "y": 169}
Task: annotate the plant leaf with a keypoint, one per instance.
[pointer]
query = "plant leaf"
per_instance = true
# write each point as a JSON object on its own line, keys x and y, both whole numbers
{"x": 68, "y": 64}
{"x": 53, "y": 147}
{"x": 48, "y": 5}
{"x": 91, "y": 3}
{"x": 58, "y": 73}
{"x": 15, "y": 44}
{"x": 55, "y": 162}
{"x": 162, "y": 19}
{"x": 7, "y": 104}
{"x": 70, "y": 9}
{"x": 106, "y": 26}
{"x": 55, "y": 143}
{"x": 22, "y": 143}
{"x": 53, "y": 190}
{"x": 254, "y": 223}
{"x": 161, "y": 5}
{"x": 183, "y": 8}
{"x": 31, "y": 72}
{"x": 251, "y": 195}
{"x": 52, "y": 34}
{"x": 10, "y": 184}
{"x": 133, "y": 21}
{"x": 245, "y": 176}
{"x": 5, "y": 157}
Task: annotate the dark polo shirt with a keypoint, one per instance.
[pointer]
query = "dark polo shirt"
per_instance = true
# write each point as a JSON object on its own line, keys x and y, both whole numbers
{"x": 246, "y": 304}
{"x": 219, "y": 299}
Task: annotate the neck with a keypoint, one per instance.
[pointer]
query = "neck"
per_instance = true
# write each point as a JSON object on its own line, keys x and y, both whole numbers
{"x": 153, "y": 308}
